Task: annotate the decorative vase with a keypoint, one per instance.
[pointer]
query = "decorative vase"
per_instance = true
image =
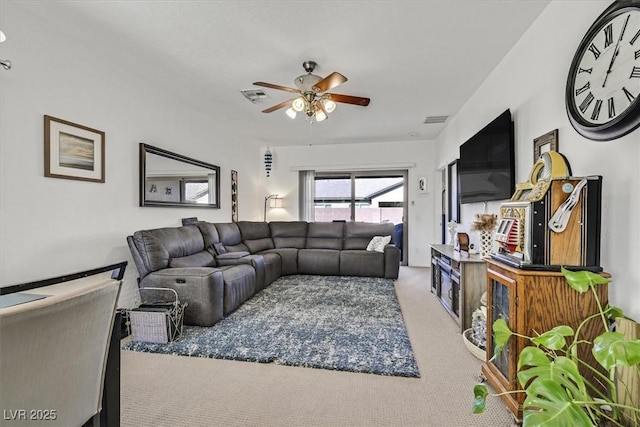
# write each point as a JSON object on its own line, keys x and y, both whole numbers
{"x": 452, "y": 226}
{"x": 486, "y": 240}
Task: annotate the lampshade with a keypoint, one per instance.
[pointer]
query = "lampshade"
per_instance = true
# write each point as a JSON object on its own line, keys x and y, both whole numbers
{"x": 298, "y": 104}
{"x": 291, "y": 113}
{"x": 314, "y": 105}
{"x": 275, "y": 203}
{"x": 329, "y": 105}
{"x": 320, "y": 115}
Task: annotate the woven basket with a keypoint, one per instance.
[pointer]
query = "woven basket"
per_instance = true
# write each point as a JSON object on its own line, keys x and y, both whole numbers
{"x": 157, "y": 322}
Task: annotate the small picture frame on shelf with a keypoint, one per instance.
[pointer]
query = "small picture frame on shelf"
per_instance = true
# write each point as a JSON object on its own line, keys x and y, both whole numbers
{"x": 73, "y": 151}
{"x": 544, "y": 143}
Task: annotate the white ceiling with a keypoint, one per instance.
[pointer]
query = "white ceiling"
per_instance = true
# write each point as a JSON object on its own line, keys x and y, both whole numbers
{"x": 412, "y": 58}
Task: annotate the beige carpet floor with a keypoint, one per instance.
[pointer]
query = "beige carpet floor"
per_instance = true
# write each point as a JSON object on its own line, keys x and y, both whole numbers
{"x": 160, "y": 390}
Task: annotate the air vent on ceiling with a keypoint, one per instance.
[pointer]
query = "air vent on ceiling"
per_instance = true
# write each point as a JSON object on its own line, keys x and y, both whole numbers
{"x": 435, "y": 120}
{"x": 255, "y": 95}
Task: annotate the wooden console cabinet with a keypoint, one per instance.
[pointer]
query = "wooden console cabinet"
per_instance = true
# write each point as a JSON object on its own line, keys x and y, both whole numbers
{"x": 532, "y": 302}
{"x": 458, "y": 282}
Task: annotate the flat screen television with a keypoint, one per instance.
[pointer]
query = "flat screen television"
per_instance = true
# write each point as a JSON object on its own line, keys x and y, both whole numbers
{"x": 486, "y": 169}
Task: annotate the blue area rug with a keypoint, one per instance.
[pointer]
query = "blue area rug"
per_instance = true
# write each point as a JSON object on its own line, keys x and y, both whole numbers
{"x": 340, "y": 323}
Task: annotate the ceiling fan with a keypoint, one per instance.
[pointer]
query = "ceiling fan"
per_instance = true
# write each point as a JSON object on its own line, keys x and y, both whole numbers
{"x": 313, "y": 96}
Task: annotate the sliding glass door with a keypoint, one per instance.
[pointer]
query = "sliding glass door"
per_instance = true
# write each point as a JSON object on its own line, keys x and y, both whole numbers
{"x": 377, "y": 196}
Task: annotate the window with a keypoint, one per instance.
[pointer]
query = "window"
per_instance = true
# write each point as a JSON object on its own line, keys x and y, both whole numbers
{"x": 377, "y": 196}
{"x": 367, "y": 197}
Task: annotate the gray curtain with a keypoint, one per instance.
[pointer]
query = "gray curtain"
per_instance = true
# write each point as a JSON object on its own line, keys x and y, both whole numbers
{"x": 307, "y": 195}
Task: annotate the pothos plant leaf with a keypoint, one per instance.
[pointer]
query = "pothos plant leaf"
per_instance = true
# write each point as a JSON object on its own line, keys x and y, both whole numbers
{"x": 554, "y": 338}
{"x": 612, "y": 349}
{"x": 613, "y": 312}
{"x": 480, "y": 398}
{"x": 548, "y": 404}
{"x": 582, "y": 280}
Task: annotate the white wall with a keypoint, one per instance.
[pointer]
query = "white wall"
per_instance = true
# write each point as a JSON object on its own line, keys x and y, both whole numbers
{"x": 51, "y": 226}
{"x": 416, "y": 156}
{"x": 531, "y": 82}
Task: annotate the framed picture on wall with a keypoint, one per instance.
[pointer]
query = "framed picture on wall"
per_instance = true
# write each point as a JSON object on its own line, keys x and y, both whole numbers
{"x": 73, "y": 151}
{"x": 422, "y": 185}
{"x": 544, "y": 143}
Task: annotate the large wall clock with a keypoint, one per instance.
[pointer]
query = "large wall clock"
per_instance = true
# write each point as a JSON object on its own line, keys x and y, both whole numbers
{"x": 603, "y": 87}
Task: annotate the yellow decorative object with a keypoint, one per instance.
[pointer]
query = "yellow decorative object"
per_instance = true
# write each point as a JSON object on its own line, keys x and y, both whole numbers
{"x": 550, "y": 165}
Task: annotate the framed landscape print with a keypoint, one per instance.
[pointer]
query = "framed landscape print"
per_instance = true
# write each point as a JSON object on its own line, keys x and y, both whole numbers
{"x": 73, "y": 151}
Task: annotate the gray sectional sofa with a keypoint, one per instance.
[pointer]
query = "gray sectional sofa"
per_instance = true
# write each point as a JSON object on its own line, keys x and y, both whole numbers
{"x": 215, "y": 267}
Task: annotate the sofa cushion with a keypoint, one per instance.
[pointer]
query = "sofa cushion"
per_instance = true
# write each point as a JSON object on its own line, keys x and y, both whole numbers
{"x": 357, "y": 235}
{"x": 378, "y": 243}
{"x": 259, "y": 245}
{"x": 209, "y": 233}
{"x": 252, "y": 230}
{"x": 201, "y": 259}
{"x": 289, "y": 234}
{"x": 319, "y": 261}
{"x": 219, "y": 249}
{"x": 158, "y": 246}
{"x": 229, "y": 233}
{"x": 325, "y": 235}
{"x": 230, "y": 236}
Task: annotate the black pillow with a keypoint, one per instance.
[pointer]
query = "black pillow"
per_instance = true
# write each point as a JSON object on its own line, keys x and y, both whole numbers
{"x": 219, "y": 248}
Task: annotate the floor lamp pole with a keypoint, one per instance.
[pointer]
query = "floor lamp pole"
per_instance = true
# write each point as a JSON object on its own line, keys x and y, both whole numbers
{"x": 266, "y": 199}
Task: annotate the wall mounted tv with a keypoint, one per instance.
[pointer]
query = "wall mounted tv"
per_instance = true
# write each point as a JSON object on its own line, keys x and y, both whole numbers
{"x": 486, "y": 169}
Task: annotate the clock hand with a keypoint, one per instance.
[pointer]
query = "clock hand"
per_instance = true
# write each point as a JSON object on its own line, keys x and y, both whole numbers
{"x": 613, "y": 58}
{"x": 616, "y": 51}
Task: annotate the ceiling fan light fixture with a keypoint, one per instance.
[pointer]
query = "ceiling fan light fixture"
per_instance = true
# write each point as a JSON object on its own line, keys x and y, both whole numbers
{"x": 329, "y": 105}
{"x": 313, "y": 97}
{"x": 298, "y": 104}
{"x": 291, "y": 113}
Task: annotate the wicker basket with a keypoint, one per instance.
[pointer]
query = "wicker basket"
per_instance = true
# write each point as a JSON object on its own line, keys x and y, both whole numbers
{"x": 157, "y": 322}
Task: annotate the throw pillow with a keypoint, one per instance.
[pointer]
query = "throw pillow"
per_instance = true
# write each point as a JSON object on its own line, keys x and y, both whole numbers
{"x": 378, "y": 243}
{"x": 219, "y": 248}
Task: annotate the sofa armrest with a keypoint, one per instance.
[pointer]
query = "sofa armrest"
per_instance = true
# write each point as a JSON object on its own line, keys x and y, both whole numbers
{"x": 201, "y": 287}
{"x": 391, "y": 261}
{"x": 232, "y": 258}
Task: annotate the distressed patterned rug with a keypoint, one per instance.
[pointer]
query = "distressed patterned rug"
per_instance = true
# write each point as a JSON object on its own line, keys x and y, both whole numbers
{"x": 340, "y": 323}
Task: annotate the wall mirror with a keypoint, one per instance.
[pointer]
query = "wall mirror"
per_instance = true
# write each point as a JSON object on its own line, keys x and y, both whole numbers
{"x": 170, "y": 179}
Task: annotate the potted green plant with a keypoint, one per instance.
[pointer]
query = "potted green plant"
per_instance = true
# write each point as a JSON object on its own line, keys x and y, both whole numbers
{"x": 556, "y": 392}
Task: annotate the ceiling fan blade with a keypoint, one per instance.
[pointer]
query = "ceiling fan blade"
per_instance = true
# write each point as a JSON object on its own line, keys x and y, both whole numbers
{"x": 278, "y": 106}
{"x": 332, "y": 80}
{"x": 272, "y": 86}
{"x": 348, "y": 99}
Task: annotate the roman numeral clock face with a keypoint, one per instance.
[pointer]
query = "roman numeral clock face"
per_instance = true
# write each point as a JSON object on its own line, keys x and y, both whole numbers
{"x": 603, "y": 87}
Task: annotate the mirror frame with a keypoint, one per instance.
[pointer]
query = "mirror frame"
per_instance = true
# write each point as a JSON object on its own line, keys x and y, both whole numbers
{"x": 144, "y": 149}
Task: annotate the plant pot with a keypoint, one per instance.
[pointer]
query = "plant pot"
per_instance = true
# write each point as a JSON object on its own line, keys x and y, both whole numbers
{"x": 474, "y": 349}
